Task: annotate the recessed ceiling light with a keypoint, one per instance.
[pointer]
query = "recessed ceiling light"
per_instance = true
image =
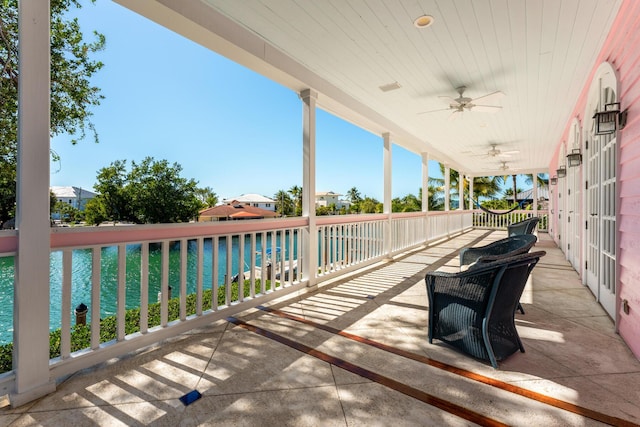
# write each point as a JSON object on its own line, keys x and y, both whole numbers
{"x": 423, "y": 21}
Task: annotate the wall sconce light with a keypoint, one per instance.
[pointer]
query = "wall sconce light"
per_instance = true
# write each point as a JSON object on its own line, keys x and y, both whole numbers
{"x": 561, "y": 172}
{"x": 554, "y": 180}
{"x": 574, "y": 158}
{"x": 611, "y": 119}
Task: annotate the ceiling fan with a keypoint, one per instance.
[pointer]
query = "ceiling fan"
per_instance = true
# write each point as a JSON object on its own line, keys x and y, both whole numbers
{"x": 494, "y": 151}
{"x": 463, "y": 103}
{"x": 503, "y": 167}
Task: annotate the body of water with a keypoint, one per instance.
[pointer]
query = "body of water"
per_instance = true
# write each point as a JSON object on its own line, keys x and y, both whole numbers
{"x": 82, "y": 271}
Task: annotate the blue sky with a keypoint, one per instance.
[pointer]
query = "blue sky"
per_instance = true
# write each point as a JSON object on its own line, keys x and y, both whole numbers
{"x": 229, "y": 128}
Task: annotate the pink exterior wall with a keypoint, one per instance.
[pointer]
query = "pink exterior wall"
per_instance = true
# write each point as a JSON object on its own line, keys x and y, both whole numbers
{"x": 622, "y": 50}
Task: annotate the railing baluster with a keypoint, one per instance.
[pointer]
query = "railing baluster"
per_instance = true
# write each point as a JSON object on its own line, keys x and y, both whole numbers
{"x": 183, "y": 279}
{"x": 274, "y": 259}
{"x": 65, "y": 331}
{"x": 291, "y": 272}
{"x": 144, "y": 288}
{"x": 96, "y": 262}
{"x": 241, "y": 267}
{"x": 164, "y": 286}
{"x": 229, "y": 275}
{"x": 199, "y": 275}
{"x": 122, "y": 286}
{"x": 214, "y": 272}
{"x": 263, "y": 264}
{"x": 252, "y": 266}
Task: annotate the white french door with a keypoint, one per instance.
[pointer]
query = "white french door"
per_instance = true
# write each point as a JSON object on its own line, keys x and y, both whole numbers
{"x": 573, "y": 217}
{"x": 601, "y": 220}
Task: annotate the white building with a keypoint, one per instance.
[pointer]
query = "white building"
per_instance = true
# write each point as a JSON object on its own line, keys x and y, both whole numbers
{"x": 255, "y": 200}
{"x": 75, "y": 196}
{"x": 328, "y": 198}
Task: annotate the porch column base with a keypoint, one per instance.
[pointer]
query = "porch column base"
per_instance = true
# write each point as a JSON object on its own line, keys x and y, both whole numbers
{"x": 19, "y": 399}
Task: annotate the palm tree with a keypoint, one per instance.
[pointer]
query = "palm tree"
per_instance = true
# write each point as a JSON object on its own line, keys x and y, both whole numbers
{"x": 296, "y": 193}
{"x": 354, "y": 197}
{"x": 486, "y": 186}
{"x": 284, "y": 204}
{"x": 483, "y": 186}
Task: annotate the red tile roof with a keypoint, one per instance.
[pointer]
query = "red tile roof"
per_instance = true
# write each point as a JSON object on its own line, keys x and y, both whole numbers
{"x": 237, "y": 210}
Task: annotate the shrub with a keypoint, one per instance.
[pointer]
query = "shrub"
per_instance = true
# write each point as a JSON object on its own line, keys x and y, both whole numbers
{"x": 81, "y": 334}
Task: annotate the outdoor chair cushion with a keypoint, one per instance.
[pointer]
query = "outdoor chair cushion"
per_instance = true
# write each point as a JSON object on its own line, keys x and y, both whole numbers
{"x": 474, "y": 310}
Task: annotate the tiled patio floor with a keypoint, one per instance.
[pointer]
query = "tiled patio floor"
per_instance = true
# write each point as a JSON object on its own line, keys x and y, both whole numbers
{"x": 278, "y": 370}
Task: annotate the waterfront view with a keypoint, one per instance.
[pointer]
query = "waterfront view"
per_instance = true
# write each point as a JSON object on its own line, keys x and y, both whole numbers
{"x": 82, "y": 273}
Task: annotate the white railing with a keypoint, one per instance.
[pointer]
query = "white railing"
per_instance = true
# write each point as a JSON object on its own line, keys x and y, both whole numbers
{"x": 349, "y": 241}
{"x": 142, "y": 284}
{"x": 501, "y": 218}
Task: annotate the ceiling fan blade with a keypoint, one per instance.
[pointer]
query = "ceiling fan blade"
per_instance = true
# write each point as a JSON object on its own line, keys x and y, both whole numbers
{"x": 486, "y": 108}
{"x": 489, "y": 98}
{"x": 435, "y": 111}
{"x": 508, "y": 153}
{"x": 454, "y": 115}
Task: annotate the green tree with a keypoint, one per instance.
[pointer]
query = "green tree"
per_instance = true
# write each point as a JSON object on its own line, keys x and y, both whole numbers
{"x": 95, "y": 211}
{"x": 72, "y": 94}
{"x": 207, "y": 197}
{"x": 158, "y": 194}
{"x": 152, "y": 192}
{"x": 67, "y": 212}
{"x": 484, "y": 186}
{"x": 113, "y": 202}
{"x": 296, "y": 194}
{"x": 284, "y": 203}
{"x": 370, "y": 205}
{"x": 354, "y": 198}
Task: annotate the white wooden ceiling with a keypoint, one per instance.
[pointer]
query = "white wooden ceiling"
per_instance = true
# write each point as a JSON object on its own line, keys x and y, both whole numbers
{"x": 539, "y": 53}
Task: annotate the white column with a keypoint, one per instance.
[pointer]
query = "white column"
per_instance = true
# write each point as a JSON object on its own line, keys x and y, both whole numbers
{"x": 425, "y": 194}
{"x": 31, "y": 294}
{"x": 387, "y": 191}
{"x": 534, "y": 178}
{"x": 471, "y": 205}
{"x": 447, "y": 187}
{"x": 310, "y": 235}
{"x": 460, "y": 190}
{"x": 425, "y": 182}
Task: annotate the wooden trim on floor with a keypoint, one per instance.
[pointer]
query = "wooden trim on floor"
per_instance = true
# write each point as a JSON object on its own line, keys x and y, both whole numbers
{"x": 539, "y": 397}
{"x": 420, "y": 395}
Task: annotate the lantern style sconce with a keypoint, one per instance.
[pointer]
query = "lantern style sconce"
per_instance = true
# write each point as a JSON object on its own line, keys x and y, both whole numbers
{"x": 561, "y": 172}
{"x": 554, "y": 180}
{"x": 610, "y": 120}
{"x": 574, "y": 158}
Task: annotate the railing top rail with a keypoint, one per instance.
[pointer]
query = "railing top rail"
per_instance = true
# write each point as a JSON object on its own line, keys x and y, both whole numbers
{"x": 452, "y": 212}
{"x": 344, "y": 219}
{"x": 8, "y": 241}
{"x": 88, "y": 236}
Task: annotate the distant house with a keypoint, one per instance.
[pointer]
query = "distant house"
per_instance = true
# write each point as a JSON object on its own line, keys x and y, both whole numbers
{"x": 526, "y": 196}
{"x": 328, "y": 198}
{"x": 77, "y": 197}
{"x": 254, "y": 200}
{"x": 234, "y": 211}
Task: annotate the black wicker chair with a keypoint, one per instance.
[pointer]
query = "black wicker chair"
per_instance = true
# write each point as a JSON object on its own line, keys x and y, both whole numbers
{"x": 526, "y": 226}
{"x": 506, "y": 247}
{"x": 474, "y": 310}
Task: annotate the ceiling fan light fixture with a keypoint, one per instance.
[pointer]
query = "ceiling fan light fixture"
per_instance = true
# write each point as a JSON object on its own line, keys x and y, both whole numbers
{"x": 423, "y": 21}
